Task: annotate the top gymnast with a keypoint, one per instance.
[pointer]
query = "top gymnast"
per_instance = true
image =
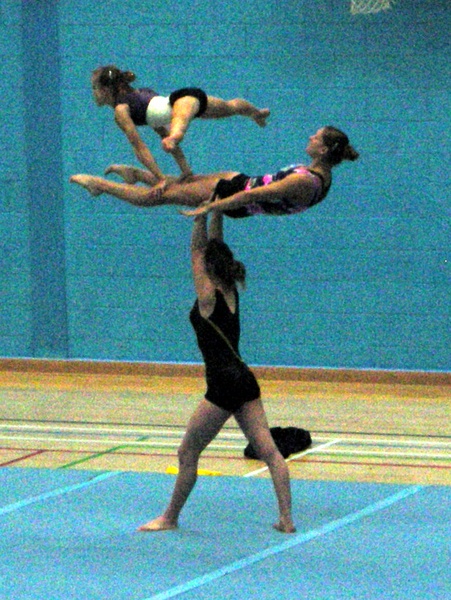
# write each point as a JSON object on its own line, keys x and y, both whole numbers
{"x": 168, "y": 116}
{"x": 289, "y": 191}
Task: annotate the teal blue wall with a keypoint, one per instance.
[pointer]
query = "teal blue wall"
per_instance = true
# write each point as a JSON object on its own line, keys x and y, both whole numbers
{"x": 360, "y": 281}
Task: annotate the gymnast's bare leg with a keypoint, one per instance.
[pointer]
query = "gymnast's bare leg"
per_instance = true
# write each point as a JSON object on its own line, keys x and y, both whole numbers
{"x": 219, "y": 109}
{"x": 251, "y": 418}
{"x": 186, "y": 108}
{"x": 192, "y": 191}
{"x": 203, "y": 427}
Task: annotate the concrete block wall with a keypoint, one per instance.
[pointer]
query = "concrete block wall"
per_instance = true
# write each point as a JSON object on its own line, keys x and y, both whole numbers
{"x": 360, "y": 281}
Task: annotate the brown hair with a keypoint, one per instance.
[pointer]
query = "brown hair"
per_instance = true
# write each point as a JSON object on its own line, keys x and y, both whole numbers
{"x": 338, "y": 144}
{"x": 221, "y": 264}
{"x": 113, "y": 78}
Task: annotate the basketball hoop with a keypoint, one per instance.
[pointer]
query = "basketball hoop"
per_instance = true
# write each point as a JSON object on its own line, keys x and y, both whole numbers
{"x": 366, "y": 7}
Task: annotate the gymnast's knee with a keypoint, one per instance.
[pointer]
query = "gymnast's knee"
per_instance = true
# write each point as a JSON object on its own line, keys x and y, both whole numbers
{"x": 267, "y": 452}
{"x": 187, "y": 454}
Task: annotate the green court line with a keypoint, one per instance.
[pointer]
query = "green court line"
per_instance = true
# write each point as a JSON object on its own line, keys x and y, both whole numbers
{"x": 97, "y": 454}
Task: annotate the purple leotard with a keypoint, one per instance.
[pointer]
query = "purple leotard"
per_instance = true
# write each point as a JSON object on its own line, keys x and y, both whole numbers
{"x": 138, "y": 101}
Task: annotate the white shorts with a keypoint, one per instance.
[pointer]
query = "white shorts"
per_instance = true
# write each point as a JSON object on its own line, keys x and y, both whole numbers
{"x": 159, "y": 112}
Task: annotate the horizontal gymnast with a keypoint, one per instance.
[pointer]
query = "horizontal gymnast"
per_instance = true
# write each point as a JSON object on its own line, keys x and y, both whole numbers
{"x": 291, "y": 190}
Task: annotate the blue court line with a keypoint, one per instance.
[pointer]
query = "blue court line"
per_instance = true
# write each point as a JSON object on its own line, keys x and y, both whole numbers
{"x": 58, "y": 492}
{"x": 293, "y": 541}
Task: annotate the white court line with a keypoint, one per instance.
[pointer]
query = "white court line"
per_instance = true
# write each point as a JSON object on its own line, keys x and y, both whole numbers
{"x": 177, "y": 435}
{"x": 392, "y": 443}
{"x": 292, "y": 541}
{"x": 320, "y": 449}
{"x": 50, "y": 428}
{"x": 223, "y": 434}
{"x": 115, "y": 441}
{"x": 339, "y": 452}
{"x": 159, "y": 431}
{"x": 57, "y": 492}
{"x": 309, "y": 451}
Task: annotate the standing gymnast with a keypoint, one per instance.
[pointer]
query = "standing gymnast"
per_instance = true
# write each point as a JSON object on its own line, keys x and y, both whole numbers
{"x": 289, "y": 191}
{"x": 231, "y": 386}
{"x": 168, "y": 116}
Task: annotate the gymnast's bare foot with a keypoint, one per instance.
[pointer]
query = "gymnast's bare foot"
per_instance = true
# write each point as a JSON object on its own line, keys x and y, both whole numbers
{"x": 132, "y": 175}
{"x": 285, "y": 526}
{"x": 127, "y": 173}
{"x": 170, "y": 143}
{"x": 158, "y": 524}
{"x": 89, "y": 182}
{"x": 261, "y": 116}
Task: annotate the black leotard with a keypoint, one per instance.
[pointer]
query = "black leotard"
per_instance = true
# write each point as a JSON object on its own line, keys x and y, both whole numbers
{"x": 230, "y": 382}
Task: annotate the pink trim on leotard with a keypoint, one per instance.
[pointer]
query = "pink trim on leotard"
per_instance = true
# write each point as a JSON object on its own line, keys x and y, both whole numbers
{"x": 255, "y": 208}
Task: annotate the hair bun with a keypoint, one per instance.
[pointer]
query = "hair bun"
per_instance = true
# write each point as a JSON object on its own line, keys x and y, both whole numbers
{"x": 129, "y": 76}
{"x": 349, "y": 153}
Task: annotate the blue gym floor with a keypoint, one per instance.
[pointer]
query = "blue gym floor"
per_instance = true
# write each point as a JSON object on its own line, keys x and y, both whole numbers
{"x": 69, "y": 535}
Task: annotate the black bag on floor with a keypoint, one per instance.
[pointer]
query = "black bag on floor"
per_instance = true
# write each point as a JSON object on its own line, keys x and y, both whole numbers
{"x": 289, "y": 440}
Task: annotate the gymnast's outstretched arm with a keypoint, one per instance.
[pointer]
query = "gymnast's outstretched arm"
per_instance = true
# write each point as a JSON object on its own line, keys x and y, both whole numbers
{"x": 295, "y": 187}
{"x": 142, "y": 152}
